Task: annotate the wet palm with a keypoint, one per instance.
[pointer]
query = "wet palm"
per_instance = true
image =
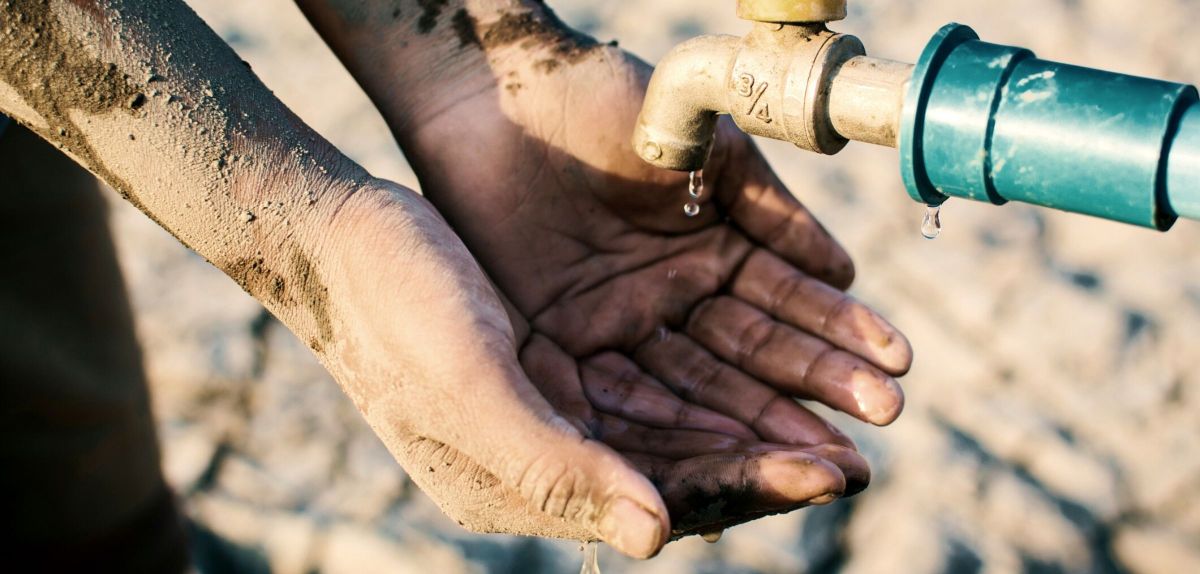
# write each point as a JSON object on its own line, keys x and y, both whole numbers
{"x": 683, "y": 339}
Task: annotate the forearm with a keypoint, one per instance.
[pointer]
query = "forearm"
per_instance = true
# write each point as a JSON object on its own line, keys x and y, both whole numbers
{"x": 144, "y": 95}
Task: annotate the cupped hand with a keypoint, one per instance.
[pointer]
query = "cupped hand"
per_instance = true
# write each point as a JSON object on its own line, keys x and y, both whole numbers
{"x": 503, "y": 429}
{"x": 737, "y": 311}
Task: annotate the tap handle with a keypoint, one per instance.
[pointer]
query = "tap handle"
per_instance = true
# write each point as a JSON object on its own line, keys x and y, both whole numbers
{"x": 791, "y": 11}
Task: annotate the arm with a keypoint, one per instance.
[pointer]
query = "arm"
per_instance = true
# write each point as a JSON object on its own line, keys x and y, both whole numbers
{"x": 144, "y": 95}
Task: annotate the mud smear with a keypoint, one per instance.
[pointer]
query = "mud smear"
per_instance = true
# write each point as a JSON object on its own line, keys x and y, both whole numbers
{"x": 464, "y": 27}
{"x": 709, "y": 508}
{"x": 308, "y": 290}
{"x": 430, "y": 11}
{"x": 360, "y": 13}
{"x": 257, "y": 279}
{"x": 531, "y": 31}
{"x": 314, "y": 295}
{"x": 546, "y": 66}
{"x": 54, "y": 73}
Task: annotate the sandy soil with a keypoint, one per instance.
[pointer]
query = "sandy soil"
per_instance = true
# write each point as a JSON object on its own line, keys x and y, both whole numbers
{"x": 1053, "y": 411}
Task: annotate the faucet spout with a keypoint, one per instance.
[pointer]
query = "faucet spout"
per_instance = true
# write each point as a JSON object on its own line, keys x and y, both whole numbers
{"x": 679, "y": 116}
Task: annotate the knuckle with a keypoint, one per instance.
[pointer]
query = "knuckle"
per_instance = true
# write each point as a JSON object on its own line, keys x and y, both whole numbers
{"x": 785, "y": 293}
{"x": 699, "y": 315}
{"x": 700, "y": 378}
{"x": 556, "y": 488}
{"x": 753, "y": 338}
{"x": 785, "y": 227}
{"x": 844, "y": 303}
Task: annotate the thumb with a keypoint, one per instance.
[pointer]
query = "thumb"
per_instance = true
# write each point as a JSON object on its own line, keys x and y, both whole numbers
{"x": 534, "y": 451}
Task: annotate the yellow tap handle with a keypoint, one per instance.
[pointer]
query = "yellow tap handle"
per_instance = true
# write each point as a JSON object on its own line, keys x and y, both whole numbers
{"x": 791, "y": 10}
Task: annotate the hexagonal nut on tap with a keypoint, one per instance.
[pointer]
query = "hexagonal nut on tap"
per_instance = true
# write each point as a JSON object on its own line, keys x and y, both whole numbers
{"x": 779, "y": 83}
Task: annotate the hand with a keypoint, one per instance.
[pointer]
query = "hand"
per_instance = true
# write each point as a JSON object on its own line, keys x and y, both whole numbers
{"x": 420, "y": 341}
{"x": 736, "y": 311}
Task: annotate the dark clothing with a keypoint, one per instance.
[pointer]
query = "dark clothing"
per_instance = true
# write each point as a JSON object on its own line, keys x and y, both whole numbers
{"x": 80, "y": 475}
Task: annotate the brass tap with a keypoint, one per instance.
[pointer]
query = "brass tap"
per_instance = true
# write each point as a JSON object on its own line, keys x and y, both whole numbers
{"x": 790, "y": 78}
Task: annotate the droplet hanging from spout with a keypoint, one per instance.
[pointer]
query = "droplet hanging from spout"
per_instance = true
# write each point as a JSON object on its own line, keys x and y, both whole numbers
{"x": 695, "y": 192}
{"x": 931, "y": 226}
{"x": 591, "y": 561}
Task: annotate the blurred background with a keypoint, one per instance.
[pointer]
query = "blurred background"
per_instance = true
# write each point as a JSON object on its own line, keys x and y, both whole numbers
{"x": 1053, "y": 419}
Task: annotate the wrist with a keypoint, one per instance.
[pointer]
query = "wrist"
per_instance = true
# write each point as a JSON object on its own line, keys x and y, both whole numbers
{"x": 416, "y": 62}
{"x": 392, "y": 273}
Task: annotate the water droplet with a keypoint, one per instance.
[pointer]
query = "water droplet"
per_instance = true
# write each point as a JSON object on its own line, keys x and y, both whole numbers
{"x": 591, "y": 564}
{"x": 663, "y": 334}
{"x": 931, "y": 226}
{"x": 712, "y": 537}
{"x": 695, "y": 191}
{"x": 696, "y": 184}
{"x": 672, "y": 273}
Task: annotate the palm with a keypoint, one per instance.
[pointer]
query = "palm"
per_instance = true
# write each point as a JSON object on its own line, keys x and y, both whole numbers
{"x": 724, "y": 317}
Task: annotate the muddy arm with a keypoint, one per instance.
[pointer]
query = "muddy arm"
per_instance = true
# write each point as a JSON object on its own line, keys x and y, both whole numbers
{"x": 148, "y": 98}
{"x": 365, "y": 272}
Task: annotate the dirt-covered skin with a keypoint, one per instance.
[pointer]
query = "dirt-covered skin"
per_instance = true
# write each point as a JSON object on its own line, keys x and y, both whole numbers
{"x": 143, "y": 94}
{"x": 736, "y": 311}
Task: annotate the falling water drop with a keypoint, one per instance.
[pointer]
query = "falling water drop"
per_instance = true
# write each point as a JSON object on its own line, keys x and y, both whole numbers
{"x": 696, "y": 184}
{"x": 695, "y": 191}
{"x": 931, "y": 226}
{"x": 591, "y": 564}
{"x": 712, "y": 537}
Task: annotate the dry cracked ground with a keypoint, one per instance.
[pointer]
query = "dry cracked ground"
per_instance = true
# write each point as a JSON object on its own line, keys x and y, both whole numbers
{"x": 1053, "y": 421}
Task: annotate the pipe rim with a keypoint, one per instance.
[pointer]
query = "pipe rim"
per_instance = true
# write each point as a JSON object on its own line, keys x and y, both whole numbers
{"x": 912, "y": 161}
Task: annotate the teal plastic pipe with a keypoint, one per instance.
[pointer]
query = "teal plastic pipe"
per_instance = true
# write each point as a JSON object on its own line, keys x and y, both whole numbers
{"x": 995, "y": 123}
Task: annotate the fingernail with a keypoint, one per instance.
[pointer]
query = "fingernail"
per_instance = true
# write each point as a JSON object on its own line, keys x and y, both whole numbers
{"x": 631, "y": 529}
{"x": 872, "y": 337}
{"x": 892, "y": 349}
{"x": 879, "y": 398}
{"x": 824, "y": 499}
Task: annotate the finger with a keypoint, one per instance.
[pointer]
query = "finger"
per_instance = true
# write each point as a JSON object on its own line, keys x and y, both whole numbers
{"x": 699, "y": 377}
{"x": 758, "y": 202}
{"x": 555, "y": 375}
{"x": 725, "y": 489}
{"x": 852, "y": 464}
{"x": 795, "y": 362}
{"x": 615, "y": 385}
{"x": 675, "y": 444}
{"x": 788, "y": 294}
{"x": 515, "y": 434}
{"x": 631, "y": 438}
